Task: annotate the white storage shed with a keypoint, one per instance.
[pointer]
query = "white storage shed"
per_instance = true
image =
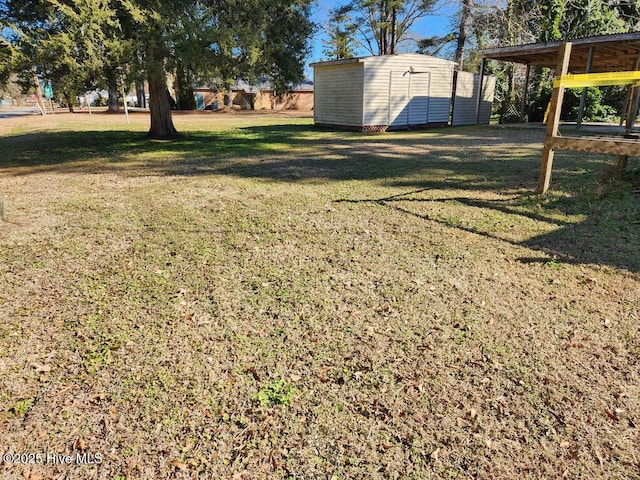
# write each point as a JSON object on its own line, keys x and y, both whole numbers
{"x": 383, "y": 92}
{"x": 388, "y": 92}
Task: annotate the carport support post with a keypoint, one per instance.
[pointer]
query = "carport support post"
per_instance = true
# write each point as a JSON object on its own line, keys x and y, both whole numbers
{"x": 480, "y": 85}
{"x": 553, "y": 122}
{"x": 583, "y": 98}
{"x": 625, "y": 107}
{"x": 632, "y": 113}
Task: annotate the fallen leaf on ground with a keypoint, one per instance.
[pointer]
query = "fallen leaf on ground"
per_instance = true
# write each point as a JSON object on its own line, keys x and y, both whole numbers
{"x": 612, "y": 416}
{"x": 179, "y": 465}
{"x": 41, "y": 368}
{"x": 435, "y": 454}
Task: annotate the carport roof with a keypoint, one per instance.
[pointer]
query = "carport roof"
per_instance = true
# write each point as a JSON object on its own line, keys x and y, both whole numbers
{"x": 611, "y": 53}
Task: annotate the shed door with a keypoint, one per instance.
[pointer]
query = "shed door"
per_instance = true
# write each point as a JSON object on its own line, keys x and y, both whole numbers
{"x": 408, "y": 99}
{"x": 419, "y": 98}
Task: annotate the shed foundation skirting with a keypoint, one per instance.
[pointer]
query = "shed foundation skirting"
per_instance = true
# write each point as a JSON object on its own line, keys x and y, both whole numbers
{"x": 380, "y": 128}
{"x": 419, "y": 126}
{"x": 374, "y": 128}
{"x": 333, "y": 126}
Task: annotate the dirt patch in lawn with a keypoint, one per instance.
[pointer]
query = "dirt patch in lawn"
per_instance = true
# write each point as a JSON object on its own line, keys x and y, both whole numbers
{"x": 265, "y": 300}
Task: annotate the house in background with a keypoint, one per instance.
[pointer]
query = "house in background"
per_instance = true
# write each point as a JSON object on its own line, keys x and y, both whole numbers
{"x": 257, "y": 96}
{"x": 390, "y": 92}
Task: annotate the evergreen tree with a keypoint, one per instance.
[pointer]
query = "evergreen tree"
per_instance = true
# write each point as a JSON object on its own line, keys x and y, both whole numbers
{"x": 62, "y": 42}
{"x": 74, "y": 41}
{"x": 341, "y": 30}
{"x": 6, "y": 60}
{"x": 236, "y": 39}
{"x": 378, "y": 26}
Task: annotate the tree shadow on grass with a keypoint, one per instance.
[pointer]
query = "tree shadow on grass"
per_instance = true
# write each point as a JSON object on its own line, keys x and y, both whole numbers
{"x": 288, "y": 153}
{"x": 465, "y": 165}
{"x": 609, "y": 235}
{"x": 75, "y": 152}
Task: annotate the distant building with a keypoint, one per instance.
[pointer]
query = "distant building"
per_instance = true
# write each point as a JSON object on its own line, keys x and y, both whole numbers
{"x": 257, "y": 96}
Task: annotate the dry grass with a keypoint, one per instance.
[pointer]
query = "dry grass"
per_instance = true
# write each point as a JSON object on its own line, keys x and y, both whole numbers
{"x": 266, "y": 300}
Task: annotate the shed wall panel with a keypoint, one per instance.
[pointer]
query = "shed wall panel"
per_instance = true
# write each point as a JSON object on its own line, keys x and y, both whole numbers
{"x": 464, "y": 108}
{"x": 488, "y": 93}
{"x": 338, "y": 94}
{"x": 377, "y": 84}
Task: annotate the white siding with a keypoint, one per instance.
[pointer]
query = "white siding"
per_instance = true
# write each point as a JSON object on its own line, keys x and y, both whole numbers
{"x": 338, "y": 94}
{"x": 408, "y": 102}
{"x": 464, "y": 109}
{"x": 418, "y": 105}
{"x": 377, "y": 86}
{"x": 398, "y": 98}
{"x": 488, "y": 92}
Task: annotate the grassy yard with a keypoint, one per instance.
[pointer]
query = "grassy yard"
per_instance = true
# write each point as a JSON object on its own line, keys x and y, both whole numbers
{"x": 265, "y": 300}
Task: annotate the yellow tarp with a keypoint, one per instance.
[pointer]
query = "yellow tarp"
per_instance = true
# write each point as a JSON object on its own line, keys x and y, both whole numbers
{"x": 597, "y": 79}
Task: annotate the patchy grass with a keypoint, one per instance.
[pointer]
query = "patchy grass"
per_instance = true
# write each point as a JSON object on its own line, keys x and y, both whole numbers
{"x": 262, "y": 299}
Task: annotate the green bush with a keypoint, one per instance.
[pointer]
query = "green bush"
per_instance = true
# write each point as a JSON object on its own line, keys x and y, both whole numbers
{"x": 594, "y": 108}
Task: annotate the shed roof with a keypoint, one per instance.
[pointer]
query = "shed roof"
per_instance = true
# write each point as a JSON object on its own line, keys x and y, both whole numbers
{"x": 343, "y": 61}
{"x": 611, "y": 53}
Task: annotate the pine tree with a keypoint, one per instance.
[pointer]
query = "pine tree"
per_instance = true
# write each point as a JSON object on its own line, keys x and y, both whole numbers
{"x": 379, "y": 26}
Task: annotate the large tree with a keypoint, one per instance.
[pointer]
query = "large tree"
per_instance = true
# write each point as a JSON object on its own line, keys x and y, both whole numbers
{"x": 340, "y": 29}
{"x": 60, "y": 41}
{"x": 379, "y": 26}
{"x": 74, "y": 51}
{"x": 198, "y": 39}
{"x": 6, "y": 60}
{"x": 253, "y": 40}
{"x": 226, "y": 39}
{"x": 461, "y": 25}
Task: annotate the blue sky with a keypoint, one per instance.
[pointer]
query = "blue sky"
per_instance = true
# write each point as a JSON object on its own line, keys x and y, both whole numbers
{"x": 437, "y": 23}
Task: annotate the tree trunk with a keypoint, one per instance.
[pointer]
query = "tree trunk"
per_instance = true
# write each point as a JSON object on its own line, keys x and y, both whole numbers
{"x": 69, "y": 99}
{"x": 36, "y": 82}
{"x": 467, "y": 5}
{"x": 394, "y": 16}
{"x": 228, "y": 97}
{"x": 113, "y": 100}
{"x": 142, "y": 101}
{"x": 161, "y": 121}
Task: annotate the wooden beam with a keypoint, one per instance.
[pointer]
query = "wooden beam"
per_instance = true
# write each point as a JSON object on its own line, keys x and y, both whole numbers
{"x": 613, "y": 146}
{"x": 562, "y": 66}
{"x": 634, "y": 99}
{"x": 625, "y": 106}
